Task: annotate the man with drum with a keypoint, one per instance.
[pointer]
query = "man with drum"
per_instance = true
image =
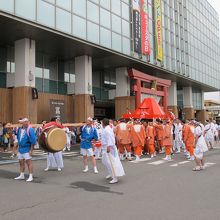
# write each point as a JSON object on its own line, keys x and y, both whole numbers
{"x": 54, "y": 159}
{"x": 88, "y": 134}
{"x": 26, "y": 141}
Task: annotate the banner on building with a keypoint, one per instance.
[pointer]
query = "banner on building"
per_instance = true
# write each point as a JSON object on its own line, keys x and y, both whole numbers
{"x": 158, "y": 29}
{"x": 145, "y": 39}
{"x": 136, "y": 25}
{"x": 57, "y": 109}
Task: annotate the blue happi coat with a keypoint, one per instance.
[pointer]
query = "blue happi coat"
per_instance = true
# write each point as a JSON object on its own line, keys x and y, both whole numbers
{"x": 88, "y": 133}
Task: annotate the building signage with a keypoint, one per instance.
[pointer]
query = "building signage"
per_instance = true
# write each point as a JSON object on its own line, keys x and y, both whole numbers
{"x": 158, "y": 29}
{"x": 136, "y": 26}
{"x": 57, "y": 109}
{"x": 145, "y": 39}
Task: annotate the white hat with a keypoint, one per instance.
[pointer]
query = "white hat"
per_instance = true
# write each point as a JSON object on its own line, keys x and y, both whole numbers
{"x": 23, "y": 120}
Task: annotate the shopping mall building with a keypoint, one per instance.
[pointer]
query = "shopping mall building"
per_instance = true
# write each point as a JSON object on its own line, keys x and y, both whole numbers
{"x": 79, "y": 58}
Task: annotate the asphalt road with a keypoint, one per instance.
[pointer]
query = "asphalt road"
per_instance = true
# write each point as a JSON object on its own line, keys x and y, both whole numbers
{"x": 151, "y": 189}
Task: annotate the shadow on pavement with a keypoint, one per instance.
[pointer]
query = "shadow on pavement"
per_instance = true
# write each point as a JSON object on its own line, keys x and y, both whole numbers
{"x": 11, "y": 175}
{"x": 91, "y": 187}
{"x": 8, "y": 174}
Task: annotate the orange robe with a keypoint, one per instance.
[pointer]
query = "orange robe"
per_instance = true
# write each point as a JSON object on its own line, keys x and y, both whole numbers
{"x": 159, "y": 135}
{"x": 138, "y": 136}
{"x": 123, "y": 137}
{"x": 168, "y": 139}
{"x": 150, "y": 133}
{"x": 189, "y": 138}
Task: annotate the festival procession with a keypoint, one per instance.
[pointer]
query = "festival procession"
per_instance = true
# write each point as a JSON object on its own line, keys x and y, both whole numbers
{"x": 145, "y": 133}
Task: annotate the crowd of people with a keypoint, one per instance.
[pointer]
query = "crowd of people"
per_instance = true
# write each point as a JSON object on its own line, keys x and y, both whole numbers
{"x": 114, "y": 141}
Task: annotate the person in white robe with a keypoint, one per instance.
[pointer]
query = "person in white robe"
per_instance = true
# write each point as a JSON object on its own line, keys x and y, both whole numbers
{"x": 178, "y": 142}
{"x": 68, "y": 139}
{"x": 209, "y": 134}
{"x": 110, "y": 158}
{"x": 54, "y": 161}
{"x": 97, "y": 143}
{"x": 200, "y": 147}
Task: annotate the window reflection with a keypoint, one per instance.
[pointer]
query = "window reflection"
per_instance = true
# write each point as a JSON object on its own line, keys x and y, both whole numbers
{"x": 45, "y": 13}
{"x": 7, "y": 5}
{"x": 79, "y": 7}
{"x": 63, "y": 20}
{"x": 26, "y": 9}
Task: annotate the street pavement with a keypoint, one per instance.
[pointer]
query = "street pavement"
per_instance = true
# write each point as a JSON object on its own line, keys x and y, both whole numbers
{"x": 152, "y": 189}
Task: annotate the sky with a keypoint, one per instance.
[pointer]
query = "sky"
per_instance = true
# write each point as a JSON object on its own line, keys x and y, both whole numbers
{"x": 214, "y": 95}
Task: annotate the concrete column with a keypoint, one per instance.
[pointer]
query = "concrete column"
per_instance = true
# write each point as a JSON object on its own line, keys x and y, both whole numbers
{"x": 83, "y": 107}
{"x": 172, "y": 98}
{"x": 123, "y": 100}
{"x": 188, "y": 103}
{"x": 23, "y": 104}
{"x": 83, "y": 71}
{"x": 122, "y": 82}
{"x": 202, "y": 115}
{"x": 25, "y": 62}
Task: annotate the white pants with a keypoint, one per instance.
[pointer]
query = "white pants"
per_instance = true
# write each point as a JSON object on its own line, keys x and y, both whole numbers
{"x": 55, "y": 160}
{"x": 97, "y": 152}
{"x": 112, "y": 162}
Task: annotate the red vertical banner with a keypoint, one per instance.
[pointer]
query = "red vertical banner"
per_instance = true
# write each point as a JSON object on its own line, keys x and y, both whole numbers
{"x": 145, "y": 38}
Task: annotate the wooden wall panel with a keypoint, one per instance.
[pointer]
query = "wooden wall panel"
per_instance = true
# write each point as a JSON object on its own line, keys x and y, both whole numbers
{"x": 83, "y": 107}
{"x": 122, "y": 104}
{"x": 6, "y": 105}
{"x": 43, "y": 106}
{"x": 23, "y": 104}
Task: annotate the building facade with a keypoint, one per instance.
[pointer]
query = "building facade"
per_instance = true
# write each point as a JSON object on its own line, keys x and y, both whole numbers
{"x": 78, "y": 54}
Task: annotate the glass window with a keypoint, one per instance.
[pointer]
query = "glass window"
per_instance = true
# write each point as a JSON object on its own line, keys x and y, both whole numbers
{"x": 105, "y": 18}
{"x": 8, "y": 67}
{"x": 105, "y": 3}
{"x": 38, "y": 72}
{"x": 105, "y": 37}
{"x": 79, "y": 7}
{"x": 125, "y": 11}
{"x": 45, "y": 13}
{"x": 26, "y": 9}
{"x": 66, "y": 77}
{"x": 95, "y": 1}
{"x": 92, "y": 32}
{"x": 7, "y": 5}
{"x": 46, "y": 74}
{"x": 64, "y": 4}
{"x": 62, "y": 88}
{"x": 116, "y": 24}
{"x": 116, "y": 6}
{"x": 92, "y": 12}
{"x": 52, "y": 86}
{"x": 72, "y": 78}
{"x": 125, "y": 28}
{"x": 127, "y": 1}
{"x": 79, "y": 27}
{"x": 63, "y": 20}
{"x": 116, "y": 42}
{"x": 39, "y": 84}
{"x": 126, "y": 46}
{"x": 51, "y": 1}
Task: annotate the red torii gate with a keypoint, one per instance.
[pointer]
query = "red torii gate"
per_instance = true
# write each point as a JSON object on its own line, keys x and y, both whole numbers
{"x": 158, "y": 86}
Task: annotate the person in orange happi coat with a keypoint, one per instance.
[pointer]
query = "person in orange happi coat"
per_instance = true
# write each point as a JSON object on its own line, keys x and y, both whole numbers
{"x": 146, "y": 147}
{"x": 168, "y": 139}
{"x": 150, "y": 133}
{"x": 138, "y": 137}
{"x": 159, "y": 128}
{"x": 123, "y": 137}
{"x": 189, "y": 139}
